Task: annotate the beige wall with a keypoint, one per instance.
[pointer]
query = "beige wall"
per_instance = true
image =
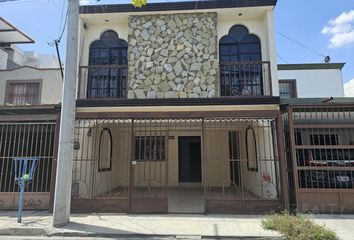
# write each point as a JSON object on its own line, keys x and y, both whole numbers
{"x": 50, "y": 78}
{"x": 216, "y": 166}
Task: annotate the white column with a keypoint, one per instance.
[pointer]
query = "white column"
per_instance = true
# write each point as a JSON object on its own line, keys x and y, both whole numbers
{"x": 62, "y": 197}
{"x": 272, "y": 51}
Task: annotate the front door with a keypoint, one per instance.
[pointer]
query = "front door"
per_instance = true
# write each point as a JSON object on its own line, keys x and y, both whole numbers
{"x": 189, "y": 152}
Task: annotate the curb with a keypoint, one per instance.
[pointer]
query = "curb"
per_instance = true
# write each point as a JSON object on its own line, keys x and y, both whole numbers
{"x": 23, "y": 232}
{"x": 30, "y": 232}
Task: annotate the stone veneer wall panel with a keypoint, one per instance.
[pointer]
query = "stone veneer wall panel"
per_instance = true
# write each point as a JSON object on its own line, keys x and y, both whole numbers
{"x": 173, "y": 56}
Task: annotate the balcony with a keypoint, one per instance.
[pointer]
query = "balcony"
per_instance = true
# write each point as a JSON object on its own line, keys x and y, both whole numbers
{"x": 237, "y": 79}
{"x": 102, "y": 82}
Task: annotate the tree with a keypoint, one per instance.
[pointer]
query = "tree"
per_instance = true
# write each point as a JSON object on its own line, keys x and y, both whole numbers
{"x": 139, "y": 3}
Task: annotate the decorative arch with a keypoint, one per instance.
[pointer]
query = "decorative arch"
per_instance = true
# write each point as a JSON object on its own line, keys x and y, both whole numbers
{"x": 240, "y": 45}
{"x": 105, "y": 151}
{"x": 251, "y": 149}
{"x": 108, "y": 59}
{"x": 240, "y": 56}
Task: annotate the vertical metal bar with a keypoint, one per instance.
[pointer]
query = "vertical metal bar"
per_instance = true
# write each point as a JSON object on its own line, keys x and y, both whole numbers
{"x": 54, "y": 161}
{"x": 2, "y": 155}
{"x": 204, "y": 155}
{"x": 14, "y": 154}
{"x": 270, "y": 79}
{"x": 293, "y": 150}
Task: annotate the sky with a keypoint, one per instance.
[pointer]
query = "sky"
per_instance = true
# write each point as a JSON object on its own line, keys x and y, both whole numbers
{"x": 317, "y": 28}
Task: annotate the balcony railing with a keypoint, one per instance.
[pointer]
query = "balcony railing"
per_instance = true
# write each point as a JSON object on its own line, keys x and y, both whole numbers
{"x": 237, "y": 79}
{"x": 245, "y": 79}
{"x": 102, "y": 81}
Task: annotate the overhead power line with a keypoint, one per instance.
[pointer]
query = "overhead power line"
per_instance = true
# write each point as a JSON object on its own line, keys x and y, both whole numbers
{"x": 300, "y": 44}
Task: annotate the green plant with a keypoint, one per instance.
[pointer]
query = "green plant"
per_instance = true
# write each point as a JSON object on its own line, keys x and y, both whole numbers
{"x": 297, "y": 227}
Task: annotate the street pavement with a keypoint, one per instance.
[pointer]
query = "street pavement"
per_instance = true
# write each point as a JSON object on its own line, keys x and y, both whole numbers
{"x": 37, "y": 225}
{"x": 170, "y": 226}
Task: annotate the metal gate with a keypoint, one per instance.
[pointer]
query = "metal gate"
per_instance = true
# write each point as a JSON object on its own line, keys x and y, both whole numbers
{"x": 241, "y": 166}
{"x": 149, "y": 172}
{"x": 120, "y": 166}
{"x": 32, "y": 140}
{"x": 131, "y": 165}
{"x": 321, "y": 156}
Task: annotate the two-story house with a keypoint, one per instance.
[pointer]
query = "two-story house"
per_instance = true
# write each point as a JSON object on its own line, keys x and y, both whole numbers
{"x": 30, "y": 91}
{"x": 178, "y": 109}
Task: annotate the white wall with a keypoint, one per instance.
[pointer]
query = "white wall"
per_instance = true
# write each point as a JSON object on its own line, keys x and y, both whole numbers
{"x": 258, "y": 20}
{"x": 315, "y": 82}
{"x": 51, "y": 82}
{"x": 3, "y": 59}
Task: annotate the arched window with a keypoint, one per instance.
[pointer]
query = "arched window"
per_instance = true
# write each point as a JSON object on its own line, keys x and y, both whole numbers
{"x": 251, "y": 150}
{"x": 105, "y": 154}
{"x": 240, "y": 60}
{"x": 108, "y": 67}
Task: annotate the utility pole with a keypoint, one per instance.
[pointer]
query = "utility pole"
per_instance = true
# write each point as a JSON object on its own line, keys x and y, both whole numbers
{"x": 62, "y": 197}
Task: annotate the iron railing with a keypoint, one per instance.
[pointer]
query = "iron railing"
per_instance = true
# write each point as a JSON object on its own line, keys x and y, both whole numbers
{"x": 237, "y": 79}
{"x": 245, "y": 79}
{"x": 27, "y": 140}
{"x": 102, "y": 81}
{"x": 239, "y": 162}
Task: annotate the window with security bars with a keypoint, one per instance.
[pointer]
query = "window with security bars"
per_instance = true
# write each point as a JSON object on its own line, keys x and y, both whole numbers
{"x": 241, "y": 66}
{"x": 23, "y": 93}
{"x": 150, "y": 148}
{"x": 287, "y": 89}
{"x": 108, "y": 67}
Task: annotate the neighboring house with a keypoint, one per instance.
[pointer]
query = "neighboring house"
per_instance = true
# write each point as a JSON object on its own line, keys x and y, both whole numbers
{"x": 30, "y": 86}
{"x": 310, "y": 80}
{"x": 30, "y": 91}
{"x": 319, "y": 139}
{"x": 178, "y": 109}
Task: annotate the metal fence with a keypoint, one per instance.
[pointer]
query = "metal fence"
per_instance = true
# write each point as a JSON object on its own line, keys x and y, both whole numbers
{"x": 245, "y": 79}
{"x": 31, "y": 140}
{"x": 131, "y": 165}
{"x": 321, "y": 153}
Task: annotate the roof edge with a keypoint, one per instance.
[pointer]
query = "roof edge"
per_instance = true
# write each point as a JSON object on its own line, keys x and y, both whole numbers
{"x": 310, "y": 66}
{"x": 30, "y": 40}
{"x": 175, "y": 6}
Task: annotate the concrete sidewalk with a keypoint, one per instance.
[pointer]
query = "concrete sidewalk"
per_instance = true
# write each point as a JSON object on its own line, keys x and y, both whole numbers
{"x": 113, "y": 225}
{"x": 37, "y": 223}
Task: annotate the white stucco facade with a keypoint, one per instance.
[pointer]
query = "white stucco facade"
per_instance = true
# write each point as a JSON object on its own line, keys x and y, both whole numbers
{"x": 314, "y": 80}
{"x": 50, "y": 79}
{"x": 258, "y": 20}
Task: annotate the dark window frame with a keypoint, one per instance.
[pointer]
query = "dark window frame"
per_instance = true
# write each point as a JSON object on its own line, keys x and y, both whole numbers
{"x": 292, "y": 87}
{"x": 25, "y": 81}
{"x": 235, "y": 75}
{"x": 100, "y": 168}
{"x": 111, "y": 68}
{"x": 143, "y": 146}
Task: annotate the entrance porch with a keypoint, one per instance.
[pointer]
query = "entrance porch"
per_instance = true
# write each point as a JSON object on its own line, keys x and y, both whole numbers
{"x": 178, "y": 165}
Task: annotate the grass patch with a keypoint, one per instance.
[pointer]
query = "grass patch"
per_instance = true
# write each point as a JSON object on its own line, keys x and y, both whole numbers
{"x": 297, "y": 227}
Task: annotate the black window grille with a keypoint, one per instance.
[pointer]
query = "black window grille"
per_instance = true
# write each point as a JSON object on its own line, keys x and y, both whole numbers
{"x": 108, "y": 67}
{"x": 150, "y": 148}
{"x": 240, "y": 63}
